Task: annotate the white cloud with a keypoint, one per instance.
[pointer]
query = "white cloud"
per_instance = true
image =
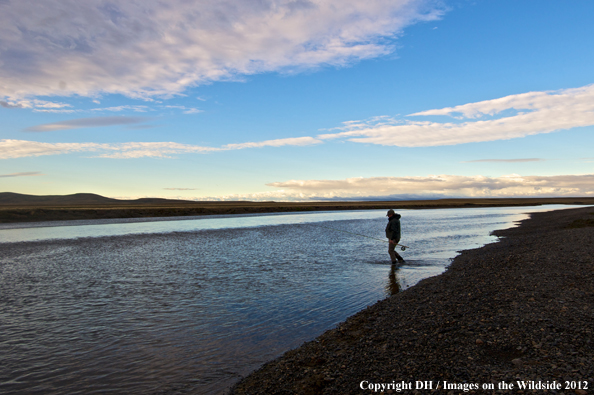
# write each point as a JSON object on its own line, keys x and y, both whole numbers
{"x": 293, "y": 141}
{"x": 154, "y": 48}
{"x": 444, "y": 185}
{"x": 531, "y": 101}
{"x": 192, "y": 111}
{"x": 151, "y": 150}
{"x": 429, "y": 187}
{"x": 56, "y": 111}
{"x": 123, "y": 108}
{"x": 280, "y": 195}
{"x": 185, "y": 110}
{"x": 10, "y": 149}
{"x": 6, "y": 104}
{"x": 534, "y": 113}
{"x": 35, "y": 104}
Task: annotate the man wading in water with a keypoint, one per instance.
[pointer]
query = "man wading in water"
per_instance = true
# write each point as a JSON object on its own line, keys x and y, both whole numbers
{"x": 393, "y": 234}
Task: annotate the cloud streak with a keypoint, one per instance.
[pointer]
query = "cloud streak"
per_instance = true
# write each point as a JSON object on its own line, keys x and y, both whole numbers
{"x": 442, "y": 185}
{"x": 533, "y": 113}
{"x": 11, "y": 149}
{"x": 66, "y": 47}
{"x": 291, "y": 141}
{"x": 23, "y": 174}
{"x": 79, "y": 123}
{"x": 506, "y": 160}
{"x": 9, "y": 105}
{"x": 34, "y": 104}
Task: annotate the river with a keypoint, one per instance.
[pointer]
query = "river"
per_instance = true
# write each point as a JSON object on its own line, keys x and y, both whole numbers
{"x": 189, "y": 305}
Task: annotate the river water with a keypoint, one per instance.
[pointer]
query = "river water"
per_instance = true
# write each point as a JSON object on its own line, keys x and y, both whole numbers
{"x": 189, "y": 305}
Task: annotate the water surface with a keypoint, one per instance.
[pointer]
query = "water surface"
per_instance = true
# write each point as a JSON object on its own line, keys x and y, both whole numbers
{"x": 190, "y": 305}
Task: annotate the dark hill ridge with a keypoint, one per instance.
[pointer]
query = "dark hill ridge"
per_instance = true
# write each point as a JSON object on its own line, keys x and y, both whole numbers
{"x": 77, "y": 199}
{"x": 15, "y": 207}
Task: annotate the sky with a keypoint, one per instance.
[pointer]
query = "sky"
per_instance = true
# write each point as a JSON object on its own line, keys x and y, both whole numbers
{"x": 297, "y": 100}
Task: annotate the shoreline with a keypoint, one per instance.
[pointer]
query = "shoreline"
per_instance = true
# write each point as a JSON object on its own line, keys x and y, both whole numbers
{"x": 518, "y": 310}
{"x": 55, "y": 211}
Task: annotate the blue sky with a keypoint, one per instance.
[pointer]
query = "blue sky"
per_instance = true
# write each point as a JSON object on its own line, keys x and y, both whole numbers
{"x": 297, "y": 99}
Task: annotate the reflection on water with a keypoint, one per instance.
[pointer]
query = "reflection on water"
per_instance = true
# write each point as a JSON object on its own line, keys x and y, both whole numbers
{"x": 393, "y": 283}
{"x": 191, "y": 305}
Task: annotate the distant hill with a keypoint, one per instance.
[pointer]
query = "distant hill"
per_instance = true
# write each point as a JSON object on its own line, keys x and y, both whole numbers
{"x": 77, "y": 199}
{"x": 15, "y": 207}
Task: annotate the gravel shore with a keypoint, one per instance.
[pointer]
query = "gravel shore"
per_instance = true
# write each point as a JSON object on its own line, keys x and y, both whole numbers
{"x": 516, "y": 312}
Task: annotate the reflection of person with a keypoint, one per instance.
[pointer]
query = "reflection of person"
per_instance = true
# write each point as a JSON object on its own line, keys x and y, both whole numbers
{"x": 393, "y": 234}
{"x": 393, "y": 284}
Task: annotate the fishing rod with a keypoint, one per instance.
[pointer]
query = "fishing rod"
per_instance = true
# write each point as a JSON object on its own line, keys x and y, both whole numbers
{"x": 402, "y": 247}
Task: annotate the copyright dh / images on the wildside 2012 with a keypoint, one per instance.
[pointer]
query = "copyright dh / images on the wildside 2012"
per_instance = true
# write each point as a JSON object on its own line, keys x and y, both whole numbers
{"x": 399, "y": 386}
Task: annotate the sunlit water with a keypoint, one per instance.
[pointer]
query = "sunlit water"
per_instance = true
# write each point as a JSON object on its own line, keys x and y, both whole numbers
{"x": 191, "y": 305}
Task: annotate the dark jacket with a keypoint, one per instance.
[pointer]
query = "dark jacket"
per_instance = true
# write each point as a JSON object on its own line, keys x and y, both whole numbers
{"x": 393, "y": 227}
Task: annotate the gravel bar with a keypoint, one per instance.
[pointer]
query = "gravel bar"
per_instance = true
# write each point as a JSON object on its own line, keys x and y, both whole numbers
{"x": 515, "y": 316}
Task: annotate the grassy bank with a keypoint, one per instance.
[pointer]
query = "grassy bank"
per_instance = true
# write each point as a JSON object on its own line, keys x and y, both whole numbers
{"x": 19, "y": 209}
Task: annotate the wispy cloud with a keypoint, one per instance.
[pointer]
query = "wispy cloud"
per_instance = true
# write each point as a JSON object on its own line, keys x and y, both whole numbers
{"x": 185, "y": 110}
{"x": 86, "y": 123}
{"x": 442, "y": 185}
{"x": 180, "y": 189}
{"x": 506, "y": 160}
{"x": 150, "y": 150}
{"x": 23, "y": 174}
{"x": 66, "y": 47}
{"x": 292, "y": 141}
{"x": 192, "y": 111}
{"x": 10, "y": 149}
{"x": 123, "y": 108}
{"x": 280, "y": 195}
{"x": 10, "y": 105}
{"x": 35, "y": 104}
{"x": 57, "y": 111}
{"x": 533, "y": 113}
{"x": 406, "y": 188}
{"x": 546, "y": 112}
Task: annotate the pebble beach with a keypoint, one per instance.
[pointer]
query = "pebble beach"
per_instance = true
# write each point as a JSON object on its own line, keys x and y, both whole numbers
{"x": 515, "y": 316}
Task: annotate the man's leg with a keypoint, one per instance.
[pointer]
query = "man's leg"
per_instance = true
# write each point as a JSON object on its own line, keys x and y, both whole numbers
{"x": 394, "y": 256}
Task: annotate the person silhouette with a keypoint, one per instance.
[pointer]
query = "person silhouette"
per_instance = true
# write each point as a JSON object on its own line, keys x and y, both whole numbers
{"x": 393, "y": 233}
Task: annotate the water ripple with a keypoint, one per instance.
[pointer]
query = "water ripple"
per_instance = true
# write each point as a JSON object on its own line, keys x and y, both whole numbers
{"x": 190, "y": 306}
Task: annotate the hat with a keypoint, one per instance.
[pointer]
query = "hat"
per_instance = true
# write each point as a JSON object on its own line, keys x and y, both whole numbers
{"x": 390, "y": 212}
